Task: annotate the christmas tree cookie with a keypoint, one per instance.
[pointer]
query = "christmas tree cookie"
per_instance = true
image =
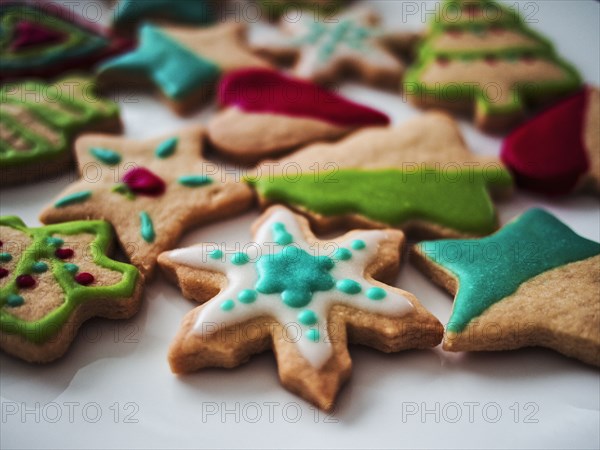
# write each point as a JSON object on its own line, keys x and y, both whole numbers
{"x": 326, "y": 293}
{"x": 150, "y": 191}
{"x": 533, "y": 283}
{"x": 39, "y": 121}
{"x": 479, "y": 56}
{"x": 54, "y": 278}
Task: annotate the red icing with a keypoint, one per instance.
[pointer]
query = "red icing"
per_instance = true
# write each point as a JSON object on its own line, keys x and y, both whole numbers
{"x": 267, "y": 91}
{"x": 64, "y": 253}
{"x": 547, "y": 153}
{"x": 29, "y": 34}
{"x": 84, "y": 278}
{"x": 25, "y": 281}
{"x": 142, "y": 181}
{"x": 3, "y": 272}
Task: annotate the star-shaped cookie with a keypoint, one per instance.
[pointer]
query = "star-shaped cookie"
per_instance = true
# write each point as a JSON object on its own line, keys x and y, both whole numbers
{"x": 533, "y": 283}
{"x": 184, "y": 63}
{"x": 420, "y": 177}
{"x": 198, "y": 12}
{"x": 150, "y": 191}
{"x": 287, "y": 282}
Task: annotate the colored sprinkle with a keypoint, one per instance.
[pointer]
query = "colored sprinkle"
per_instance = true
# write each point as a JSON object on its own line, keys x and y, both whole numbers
{"x": 376, "y": 293}
{"x": 215, "y": 254}
{"x": 105, "y": 155}
{"x": 282, "y": 237}
{"x": 227, "y": 305}
{"x": 195, "y": 180}
{"x": 14, "y": 300}
{"x": 491, "y": 59}
{"x": 358, "y": 244}
{"x": 166, "y": 148}
{"x": 71, "y": 268}
{"x": 307, "y": 317}
{"x": 247, "y": 296}
{"x": 39, "y": 267}
{"x": 342, "y": 254}
{"x": 442, "y": 60}
{"x": 77, "y": 197}
{"x": 5, "y": 257}
{"x": 147, "y": 228}
{"x": 313, "y": 335}
{"x": 25, "y": 281}
{"x": 3, "y": 273}
{"x": 348, "y": 286}
{"x": 64, "y": 253}
{"x": 54, "y": 241}
{"x": 84, "y": 278}
{"x": 239, "y": 259}
{"x": 1, "y": 243}
{"x": 123, "y": 189}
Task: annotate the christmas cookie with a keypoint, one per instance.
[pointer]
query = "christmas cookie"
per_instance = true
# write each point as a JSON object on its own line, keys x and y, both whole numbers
{"x": 480, "y": 56}
{"x": 301, "y": 297}
{"x": 274, "y": 9}
{"x": 420, "y": 177}
{"x": 151, "y": 191}
{"x": 534, "y": 283}
{"x": 54, "y": 278}
{"x": 558, "y": 151}
{"x": 326, "y": 50}
{"x": 183, "y": 63}
{"x": 45, "y": 40}
{"x": 267, "y": 113}
{"x": 39, "y": 121}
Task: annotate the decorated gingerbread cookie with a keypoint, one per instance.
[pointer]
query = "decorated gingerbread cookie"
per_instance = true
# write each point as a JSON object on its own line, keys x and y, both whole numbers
{"x": 274, "y": 9}
{"x": 325, "y": 51}
{"x": 151, "y": 191}
{"x": 54, "y": 278}
{"x": 324, "y": 292}
{"x": 420, "y": 177}
{"x": 44, "y": 40}
{"x": 479, "y": 56}
{"x": 558, "y": 151}
{"x": 267, "y": 113}
{"x": 184, "y": 63}
{"x": 533, "y": 283}
{"x": 39, "y": 121}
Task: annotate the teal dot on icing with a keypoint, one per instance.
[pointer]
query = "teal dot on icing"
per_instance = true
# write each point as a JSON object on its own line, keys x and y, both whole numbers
{"x": 106, "y": 156}
{"x": 39, "y": 267}
{"x": 166, "y": 148}
{"x": 5, "y": 257}
{"x": 54, "y": 241}
{"x": 376, "y": 293}
{"x": 348, "y": 286}
{"x": 358, "y": 244}
{"x": 281, "y": 236}
{"x": 14, "y": 300}
{"x": 342, "y": 254}
{"x": 307, "y": 317}
{"x": 227, "y": 305}
{"x": 313, "y": 335}
{"x": 239, "y": 259}
{"x": 71, "y": 268}
{"x": 247, "y": 296}
{"x": 215, "y": 254}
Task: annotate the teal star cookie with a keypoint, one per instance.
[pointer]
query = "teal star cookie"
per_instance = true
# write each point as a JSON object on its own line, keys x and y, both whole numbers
{"x": 198, "y": 12}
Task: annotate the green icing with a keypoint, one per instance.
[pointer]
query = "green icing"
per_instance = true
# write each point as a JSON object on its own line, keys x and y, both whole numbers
{"x": 106, "y": 156}
{"x": 195, "y": 180}
{"x": 71, "y": 199}
{"x": 147, "y": 227}
{"x": 166, "y": 148}
{"x": 492, "y": 268}
{"x": 348, "y": 286}
{"x": 41, "y": 330}
{"x": 457, "y": 200}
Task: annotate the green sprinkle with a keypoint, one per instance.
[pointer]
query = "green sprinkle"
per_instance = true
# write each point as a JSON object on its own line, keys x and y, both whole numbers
{"x": 239, "y": 259}
{"x": 227, "y": 305}
{"x": 195, "y": 180}
{"x": 348, "y": 286}
{"x": 313, "y": 335}
{"x": 54, "y": 241}
{"x": 106, "y": 156}
{"x": 5, "y": 257}
{"x": 77, "y": 197}
{"x": 376, "y": 293}
{"x": 123, "y": 189}
{"x": 247, "y": 296}
{"x": 358, "y": 244}
{"x": 215, "y": 254}
{"x": 147, "y": 228}
{"x": 307, "y": 317}
{"x": 166, "y": 148}
{"x": 71, "y": 268}
{"x": 39, "y": 267}
{"x": 342, "y": 254}
{"x": 14, "y": 300}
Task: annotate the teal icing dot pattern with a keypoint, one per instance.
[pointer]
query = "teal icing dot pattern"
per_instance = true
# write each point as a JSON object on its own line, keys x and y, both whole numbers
{"x": 147, "y": 227}
{"x": 280, "y": 234}
{"x": 39, "y": 267}
{"x": 5, "y": 257}
{"x": 215, "y": 254}
{"x": 106, "y": 156}
{"x": 195, "y": 180}
{"x": 14, "y": 300}
{"x": 376, "y": 293}
{"x": 227, "y": 305}
{"x": 358, "y": 244}
{"x": 239, "y": 259}
{"x": 313, "y": 335}
{"x": 247, "y": 296}
{"x": 342, "y": 254}
{"x": 307, "y": 317}
{"x": 71, "y": 268}
{"x": 54, "y": 241}
{"x": 348, "y": 286}
{"x": 166, "y": 148}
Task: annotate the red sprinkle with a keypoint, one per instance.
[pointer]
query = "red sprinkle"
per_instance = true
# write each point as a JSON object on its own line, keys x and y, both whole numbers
{"x": 1, "y": 243}
{"x": 25, "y": 281}
{"x": 144, "y": 182}
{"x": 3, "y": 273}
{"x": 64, "y": 253}
{"x": 528, "y": 58}
{"x": 454, "y": 32}
{"x": 442, "y": 60}
{"x": 84, "y": 278}
{"x": 491, "y": 60}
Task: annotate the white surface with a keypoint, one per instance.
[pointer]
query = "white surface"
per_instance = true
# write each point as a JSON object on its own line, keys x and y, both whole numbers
{"x": 119, "y": 369}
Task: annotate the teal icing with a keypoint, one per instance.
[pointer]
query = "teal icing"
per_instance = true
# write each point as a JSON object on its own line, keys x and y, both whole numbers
{"x": 71, "y": 268}
{"x": 147, "y": 227}
{"x": 166, "y": 148}
{"x": 5, "y": 257}
{"x": 376, "y": 293}
{"x": 348, "y": 286}
{"x": 106, "y": 156}
{"x": 239, "y": 259}
{"x": 14, "y": 300}
{"x": 175, "y": 69}
{"x": 215, "y": 254}
{"x": 195, "y": 180}
{"x": 313, "y": 335}
{"x": 72, "y": 199}
{"x": 227, "y": 305}
{"x": 307, "y": 317}
{"x": 39, "y": 267}
{"x": 280, "y": 234}
{"x": 358, "y": 244}
{"x": 54, "y": 241}
{"x": 342, "y": 254}
{"x": 492, "y": 268}
{"x": 197, "y": 12}
{"x": 247, "y": 296}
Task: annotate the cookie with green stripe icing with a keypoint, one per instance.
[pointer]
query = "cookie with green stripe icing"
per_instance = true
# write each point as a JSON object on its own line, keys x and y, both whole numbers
{"x": 301, "y": 297}
{"x": 39, "y": 122}
{"x": 533, "y": 283}
{"x": 150, "y": 191}
{"x": 54, "y": 278}
{"x": 480, "y": 56}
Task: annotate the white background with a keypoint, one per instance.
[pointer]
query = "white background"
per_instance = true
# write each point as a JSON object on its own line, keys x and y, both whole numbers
{"x": 114, "y": 387}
